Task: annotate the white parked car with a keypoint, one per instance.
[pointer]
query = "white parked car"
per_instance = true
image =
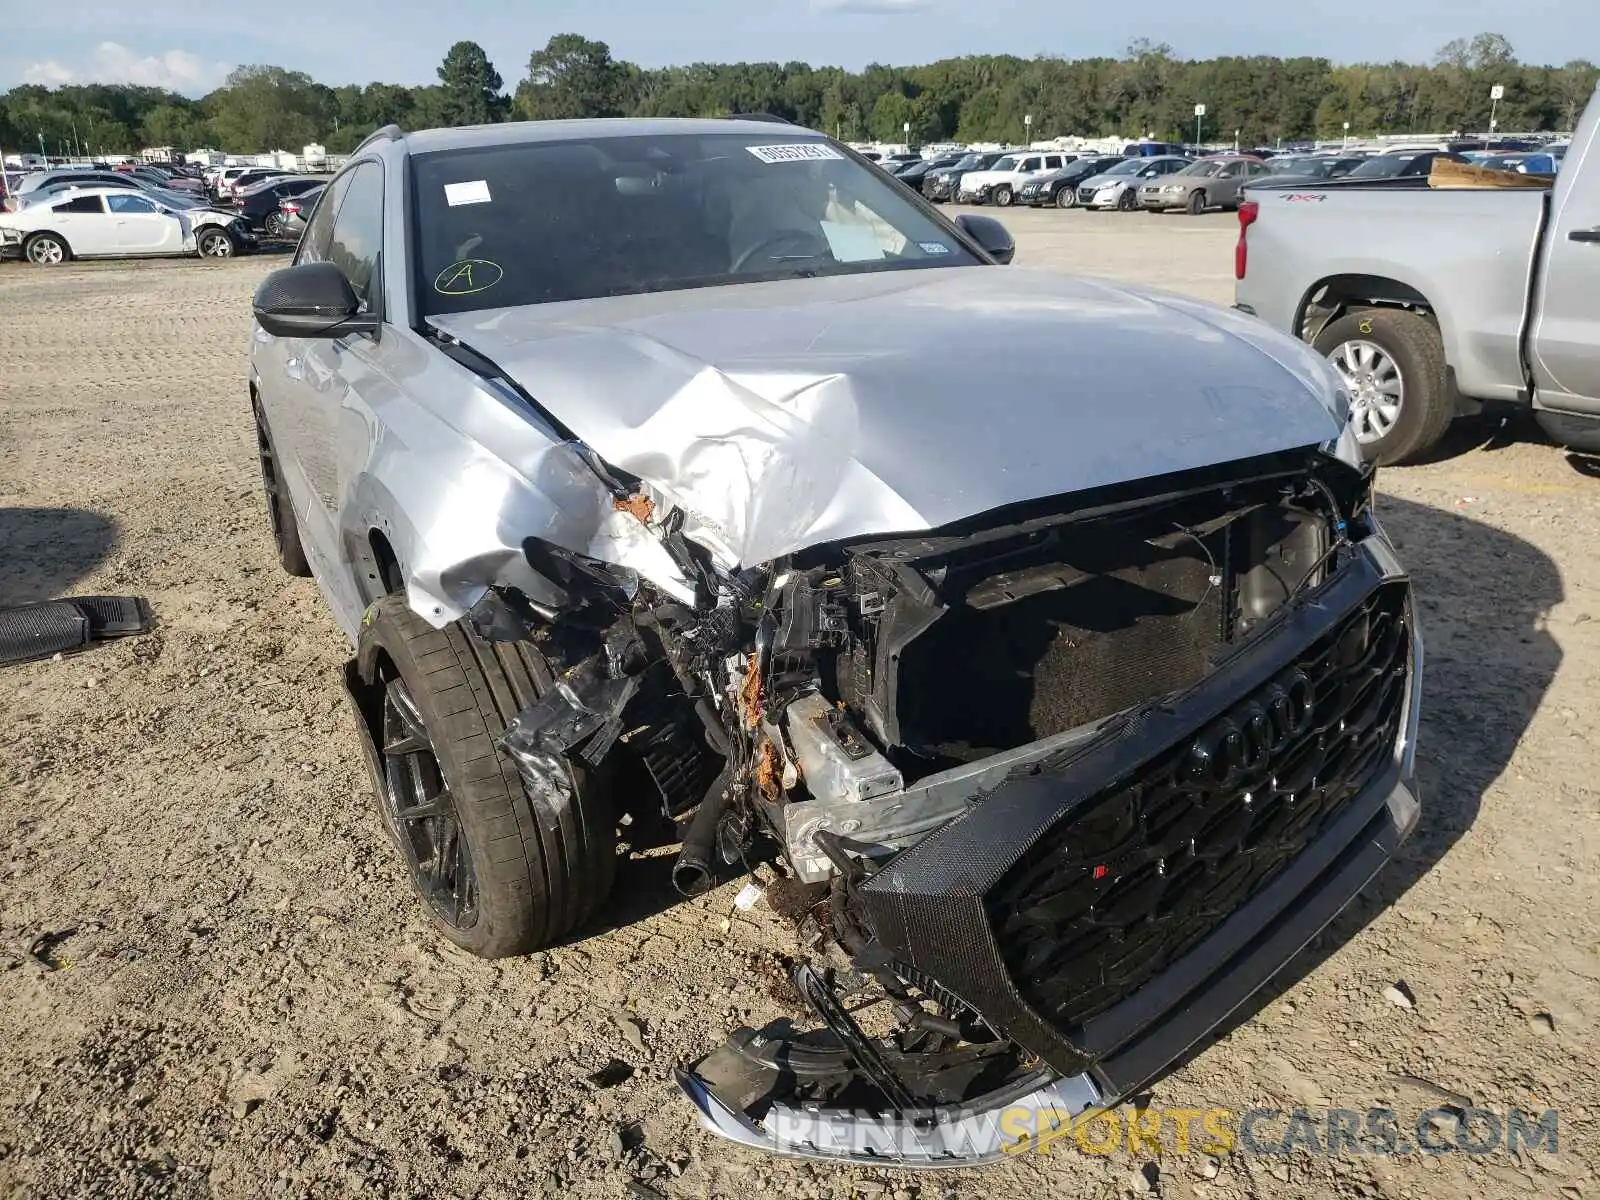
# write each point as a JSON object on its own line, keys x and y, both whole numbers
{"x": 105, "y": 222}
{"x": 1001, "y": 182}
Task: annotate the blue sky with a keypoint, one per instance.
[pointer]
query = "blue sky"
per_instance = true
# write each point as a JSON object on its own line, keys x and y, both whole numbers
{"x": 190, "y": 45}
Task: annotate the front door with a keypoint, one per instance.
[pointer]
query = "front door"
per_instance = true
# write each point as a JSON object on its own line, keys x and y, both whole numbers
{"x": 1566, "y": 328}
{"x": 142, "y": 227}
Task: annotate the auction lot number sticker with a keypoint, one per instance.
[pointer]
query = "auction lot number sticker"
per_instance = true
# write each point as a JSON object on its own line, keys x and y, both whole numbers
{"x": 800, "y": 152}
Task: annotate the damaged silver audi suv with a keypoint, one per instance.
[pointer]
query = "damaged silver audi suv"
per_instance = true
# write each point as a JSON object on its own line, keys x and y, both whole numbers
{"x": 693, "y": 483}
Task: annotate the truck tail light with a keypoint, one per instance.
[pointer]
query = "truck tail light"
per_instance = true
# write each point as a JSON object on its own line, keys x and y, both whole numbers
{"x": 1249, "y": 210}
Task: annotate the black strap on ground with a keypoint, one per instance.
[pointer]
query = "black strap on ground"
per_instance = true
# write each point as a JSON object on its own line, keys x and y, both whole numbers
{"x": 33, "y": 631}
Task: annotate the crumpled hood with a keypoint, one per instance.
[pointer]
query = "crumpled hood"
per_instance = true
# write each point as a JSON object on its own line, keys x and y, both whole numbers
{"x": 785, "y": 415}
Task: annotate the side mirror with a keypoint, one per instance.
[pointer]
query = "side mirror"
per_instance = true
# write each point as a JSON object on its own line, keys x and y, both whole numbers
{"x": 310, "y": 300}
{"x": 990, "y": 234}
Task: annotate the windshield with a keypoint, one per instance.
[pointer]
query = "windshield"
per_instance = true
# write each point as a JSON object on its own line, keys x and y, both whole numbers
{"x": 1008, "y": 163}
{"x": 1129, "y": 166}
{"x": 543, "y": 222}
{"x": 967, "y": 161}
{"x": 1383, "y": 164}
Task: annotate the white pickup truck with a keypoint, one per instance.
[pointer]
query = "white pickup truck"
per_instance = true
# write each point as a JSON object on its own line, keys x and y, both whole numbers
{"x": 1433, "y": 302}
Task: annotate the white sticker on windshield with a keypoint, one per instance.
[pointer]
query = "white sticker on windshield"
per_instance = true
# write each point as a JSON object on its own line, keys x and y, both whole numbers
{"x": 934, "y": 248}
{"x": 474, "y": 191}
{"x": 800, "y": 152}
{"x": 850, "y": 243}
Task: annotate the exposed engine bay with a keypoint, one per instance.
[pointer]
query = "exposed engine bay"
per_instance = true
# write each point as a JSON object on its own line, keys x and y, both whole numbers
{"x": 985, "y": 765}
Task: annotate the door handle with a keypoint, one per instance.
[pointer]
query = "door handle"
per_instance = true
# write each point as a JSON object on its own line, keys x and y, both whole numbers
{"x": 1584, "y": 235}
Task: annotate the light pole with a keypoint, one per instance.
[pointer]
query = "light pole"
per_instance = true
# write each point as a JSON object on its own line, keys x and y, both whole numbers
{"x": 1199, "y": 115}
{"x": 1027, "y": 128}
{"x": 906, "y": 129}
{"x": 1236, "y": 141}
{"x": 1496, "y": 94}
{"x": 1347, "y": 135}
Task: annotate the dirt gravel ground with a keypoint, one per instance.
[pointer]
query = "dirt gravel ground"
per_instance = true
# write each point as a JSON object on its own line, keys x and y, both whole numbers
{"x": 245, "y": 1001}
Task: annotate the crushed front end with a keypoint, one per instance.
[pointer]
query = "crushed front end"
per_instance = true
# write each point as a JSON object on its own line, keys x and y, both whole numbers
{"x": 1057, "y": 790}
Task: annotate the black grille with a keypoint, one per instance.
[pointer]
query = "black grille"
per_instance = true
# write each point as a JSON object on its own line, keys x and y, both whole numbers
{"x": 1144, "y": 870}
{"x": 1086, "y": 195}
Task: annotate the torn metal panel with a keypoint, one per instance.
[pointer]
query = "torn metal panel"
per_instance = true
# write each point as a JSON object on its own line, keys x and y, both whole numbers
{"x": 581, "y": 712}
{"x": 780, "y": 416}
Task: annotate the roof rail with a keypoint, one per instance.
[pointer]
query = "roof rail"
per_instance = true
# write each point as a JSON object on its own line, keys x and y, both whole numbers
{"x": 389, "y": 133}
{"x": 771, "y": 118}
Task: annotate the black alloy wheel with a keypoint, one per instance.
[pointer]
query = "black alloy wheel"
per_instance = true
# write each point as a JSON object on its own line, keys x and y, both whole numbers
{"x": 421, "y": 812}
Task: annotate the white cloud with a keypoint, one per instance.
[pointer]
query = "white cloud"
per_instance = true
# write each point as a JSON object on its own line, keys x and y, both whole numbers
{"x": 871, "y": 6}
{"x": 49, "y": 73}
{"x": 176, "y": 70}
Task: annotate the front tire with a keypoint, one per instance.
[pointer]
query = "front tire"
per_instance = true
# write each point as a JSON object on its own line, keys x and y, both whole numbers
{"x": 1002, "y": 196}
{"x": 1128, "y": 200}
{"x": 1392, "y": 362}
{"x": 47, "y": 250}
{"x": 215, "y": 243}
{"x": 500, "y": 871}
{"x": 1197, "y": 203}
{"x": 1066, "y": 197}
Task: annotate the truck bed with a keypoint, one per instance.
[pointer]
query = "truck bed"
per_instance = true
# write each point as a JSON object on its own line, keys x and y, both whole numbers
{"x": 1465, "y": 253}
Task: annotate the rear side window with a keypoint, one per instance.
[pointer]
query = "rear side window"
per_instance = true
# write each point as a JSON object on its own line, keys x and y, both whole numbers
{"x": 358, "y": 231}
{"x": 131, "y": 203}
{"x": 80, "y": 204}
{"x": 319, "y": 230}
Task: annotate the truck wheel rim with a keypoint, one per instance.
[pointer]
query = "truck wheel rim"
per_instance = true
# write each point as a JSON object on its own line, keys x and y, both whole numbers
{"x": 1377, "y": 388}
{"x": 423, "y": 813}
{"x": 45, "y": 250}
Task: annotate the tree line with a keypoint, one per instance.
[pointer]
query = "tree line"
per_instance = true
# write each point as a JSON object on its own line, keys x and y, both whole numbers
{"x": 1149, "y": 91}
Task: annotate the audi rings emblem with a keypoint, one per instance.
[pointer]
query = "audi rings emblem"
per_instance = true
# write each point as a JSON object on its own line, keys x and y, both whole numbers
{"x": 1246, "y": 739}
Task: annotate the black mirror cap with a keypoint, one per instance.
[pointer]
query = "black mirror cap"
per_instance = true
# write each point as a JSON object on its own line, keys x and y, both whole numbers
{"x": 994, "y": 237}
{"x": 310, "y": 300}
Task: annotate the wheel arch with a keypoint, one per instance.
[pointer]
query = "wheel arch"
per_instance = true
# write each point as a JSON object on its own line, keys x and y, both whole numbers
{"x": 1334, "y": 295}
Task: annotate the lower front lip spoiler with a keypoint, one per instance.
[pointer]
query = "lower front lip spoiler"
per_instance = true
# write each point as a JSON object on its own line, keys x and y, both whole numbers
{"x": 957, "y": 1136}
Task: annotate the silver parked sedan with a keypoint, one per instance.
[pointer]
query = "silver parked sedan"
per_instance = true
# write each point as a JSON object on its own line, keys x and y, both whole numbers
{"x": 694, "y": 484}
{"x": 1206, "y": 183}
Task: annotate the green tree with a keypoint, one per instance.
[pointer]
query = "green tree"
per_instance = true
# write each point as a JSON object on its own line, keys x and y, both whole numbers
{"x": 170, "y": 125}
{"x": 262, "y": 108}
{"x": 571, "y": 77}
{"x": 469, "y": 87}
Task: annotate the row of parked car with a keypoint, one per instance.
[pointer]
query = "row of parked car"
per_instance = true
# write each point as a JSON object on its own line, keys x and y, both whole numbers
{"x": 1168, "y": 182}
{"x": 97, "y": 211}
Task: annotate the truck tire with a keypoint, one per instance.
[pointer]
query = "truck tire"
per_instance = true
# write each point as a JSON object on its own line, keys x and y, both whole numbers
{"x": 1002, "y": 195}
{"x": 1393, "y": 364}
{"x": 500, "y": 871}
